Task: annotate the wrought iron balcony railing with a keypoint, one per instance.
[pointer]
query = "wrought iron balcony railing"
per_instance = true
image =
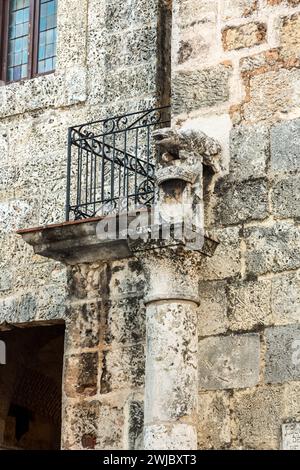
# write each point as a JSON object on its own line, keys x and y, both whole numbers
{"x": 111, "y": 164}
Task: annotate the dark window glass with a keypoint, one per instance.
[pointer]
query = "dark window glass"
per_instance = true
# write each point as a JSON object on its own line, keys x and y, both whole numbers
{"x": 28, "y": 37}
{"x": 18, "y": 39}
{"x": 47, "y": 36}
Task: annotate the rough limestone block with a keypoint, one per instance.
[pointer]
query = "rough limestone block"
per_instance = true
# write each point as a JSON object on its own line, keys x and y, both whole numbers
{"x": 3, "y": 143}
{"x": 200, "y": 88}
{"x": 8, "y": 307}
{"x": 119, "y": 15}
{"x": 257, "y": 417}
{"x": 286, "y": 298}
{"x": 283, "y": 354}
{"x": 241, "y": 202}
{"x": 275, "y": 248}
{"x": 271, "y": 94}
{"x": 126, "y": 279}
{"x": 285, "y": 146}
{"x": 111, "y": 427}
{"x": 290, "y": 35}
{"x": 291, "y": 401}
{"x": 125, "y": 322}
{"x": 130, "y": 83}
{"x": 27, "y": 309}
{"x": 249, "y": 304}
{"x": 291, "y": 436}
{"x": 212, "y": 311}
{"x": 81, "y": 375}
{"x": 213, "y": 420}
{"x": 6, "y": 280}
{"x": 231, "y": 9}
{"x": 80, "y": 420}
{"x": 249, "y": 149}
{"x": 123, "y": 368}
{"x": 83, "y": 325}
{"x": 178, "y": 436}
{"x": 286, "y": 197}
{"x": 227, "y": 362}
{"x": 16, "y": 214}
{"x": 226, "y": 261}
{"x": 188, "y": 10}
{"x": 51, "y": 301}
{"x": 246, "y": 35}
{"x": 197, "y": 40}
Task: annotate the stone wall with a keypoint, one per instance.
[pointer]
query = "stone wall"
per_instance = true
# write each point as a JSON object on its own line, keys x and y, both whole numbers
{"x": 236, "y": 76}
{"x": 109, "y": 62}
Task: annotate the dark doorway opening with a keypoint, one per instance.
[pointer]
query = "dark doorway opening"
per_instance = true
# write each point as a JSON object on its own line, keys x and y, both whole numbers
{"x": 31, "y": 387}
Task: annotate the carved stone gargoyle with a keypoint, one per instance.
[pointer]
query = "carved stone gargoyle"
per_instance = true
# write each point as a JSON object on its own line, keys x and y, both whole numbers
{"x": 183, "y": 144}
{"x": 179, "y": 174}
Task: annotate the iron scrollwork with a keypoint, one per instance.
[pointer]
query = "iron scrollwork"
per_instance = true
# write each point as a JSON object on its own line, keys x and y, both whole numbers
{"x": 111, "y": 163}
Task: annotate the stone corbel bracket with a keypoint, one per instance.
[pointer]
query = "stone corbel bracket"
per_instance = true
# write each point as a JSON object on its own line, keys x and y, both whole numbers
{"x": 179, "y": 175}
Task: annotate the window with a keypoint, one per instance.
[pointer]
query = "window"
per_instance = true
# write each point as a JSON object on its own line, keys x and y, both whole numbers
{"x": 28, "y": 38}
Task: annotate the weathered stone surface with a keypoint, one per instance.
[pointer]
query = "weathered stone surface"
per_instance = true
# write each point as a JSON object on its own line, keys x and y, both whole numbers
{"x": 179, "y": 436}
{"x": 111, "y": 425}
{"x": 275, "y": 248}
{"x": 272, "y": 94}
{"x": 197, "y": 39}
{"x": 84, "y": 325}
{"x": 125, "y": 322}
{"x": 188, "y": 10}
{"x": 260, "y": 61}
{"x": 213, "y": 420}
{"x": 81, "y": 375}
{"x": 246, "y": 35}
{"x": 283, "y": 354}
{"x": 285, "y": 146}
{"x": 249, "y": 304}
{"x": 171, "y": 364}
{"x": 8, "y": 306}
{"x": 286, "y": 298}
{"x": 238, "y": 8}
{"x": 249, "y": 150}
{"x": 5, "y": 280}
{"x": 257, "y": 418}
{"x": 286, "y": 197}
{"x": 290, "y": 36}
{"x": 226, "y": 261}
{"x": 291, "y": 402}
{"x": 241, "y": 202}
{"x": 227, "y": 362}
{"x": 122, "y": 368}
{"x": 83, "y": 420}
{"x": 135, "y": 425}
{"x": 200, "y": 88}
{"x": 291, "y": 436}
{"x": 212, "y": 311}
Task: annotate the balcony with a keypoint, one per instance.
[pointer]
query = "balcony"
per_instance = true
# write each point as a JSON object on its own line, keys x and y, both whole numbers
{"x": 111, "y": 164}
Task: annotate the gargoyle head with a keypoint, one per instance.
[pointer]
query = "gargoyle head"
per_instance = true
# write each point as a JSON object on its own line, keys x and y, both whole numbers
{"x": 172, "y": 141}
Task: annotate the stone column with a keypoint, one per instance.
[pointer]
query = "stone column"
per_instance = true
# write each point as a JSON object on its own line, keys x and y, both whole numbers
{"x": 171, "y": 383}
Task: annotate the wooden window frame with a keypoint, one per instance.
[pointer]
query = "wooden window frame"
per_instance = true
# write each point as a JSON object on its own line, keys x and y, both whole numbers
{"x": 33, "y": 41}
